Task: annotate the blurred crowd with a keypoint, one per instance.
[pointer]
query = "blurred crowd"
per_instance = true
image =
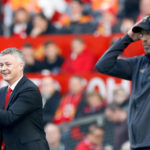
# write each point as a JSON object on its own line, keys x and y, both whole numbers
{"x": 51, "y": 61}
{"x": 78, "y": 103}
{"x": 74, "y": 107}
{"x": 39, "y": 17}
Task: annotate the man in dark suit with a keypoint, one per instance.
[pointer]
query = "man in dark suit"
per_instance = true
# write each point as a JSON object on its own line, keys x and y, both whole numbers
{"x": 20, "y": 110}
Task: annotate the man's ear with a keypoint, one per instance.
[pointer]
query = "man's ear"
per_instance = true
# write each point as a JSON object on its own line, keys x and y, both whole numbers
{"x": 21, "y": 65}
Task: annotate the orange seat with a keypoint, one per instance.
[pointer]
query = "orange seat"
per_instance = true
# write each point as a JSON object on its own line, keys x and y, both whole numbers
{"x": 30, "y": 5}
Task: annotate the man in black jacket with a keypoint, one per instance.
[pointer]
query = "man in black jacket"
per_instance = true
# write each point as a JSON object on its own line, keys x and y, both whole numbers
{"x": 136, "y": 69}
{"x": 21, "y": 113}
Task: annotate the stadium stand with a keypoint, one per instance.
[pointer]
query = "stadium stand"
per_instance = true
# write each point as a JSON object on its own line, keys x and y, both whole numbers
{"x": 46, "y": 32}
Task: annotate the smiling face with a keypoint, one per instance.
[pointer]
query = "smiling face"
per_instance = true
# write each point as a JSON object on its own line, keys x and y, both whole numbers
{"x": 11, "y": 68}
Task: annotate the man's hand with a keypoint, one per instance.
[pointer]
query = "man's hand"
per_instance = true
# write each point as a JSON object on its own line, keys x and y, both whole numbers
{"x": 135, "y": 36}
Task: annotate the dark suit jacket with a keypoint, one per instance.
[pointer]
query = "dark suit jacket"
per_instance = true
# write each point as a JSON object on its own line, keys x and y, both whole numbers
{"x": 21, "y": 122}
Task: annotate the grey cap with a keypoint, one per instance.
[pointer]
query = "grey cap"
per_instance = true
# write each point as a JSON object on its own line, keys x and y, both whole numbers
{"x": 144, "y": 24}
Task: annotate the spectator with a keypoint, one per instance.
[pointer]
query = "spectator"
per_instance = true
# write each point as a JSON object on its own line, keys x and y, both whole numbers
{"x": 128, "y": 9}
{"x": 94, "y": 104}
{"x": 144, "y": 9}
{"x": 10, "y": 6}
{"x": 51, "y": 98}
{"x": 81, "y": 60}
{"x": 76, "y": 21}
{"x": 72, "y": 102}
{"x": 93, "y": 139}
{"x": 32, "y": 65}
{"x": 40, "y": 26}
{"x": 51, "y": 7}
{"x": 121, "y": 97}
{"x": 119, "y": 117}
{"x": 107, "y": 24}
{"x": 19, "y": 26}
{"x": 53, "y": 136}
{"x": 123, "y": 25}
{"x": 126, "y": 24}
{"x": 53, "y": 60}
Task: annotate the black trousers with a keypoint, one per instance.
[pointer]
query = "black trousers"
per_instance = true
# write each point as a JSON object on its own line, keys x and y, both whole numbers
{"x": 144, "y": 148}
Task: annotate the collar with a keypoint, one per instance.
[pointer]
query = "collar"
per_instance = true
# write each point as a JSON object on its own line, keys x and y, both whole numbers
{"x": 15, "y": 83}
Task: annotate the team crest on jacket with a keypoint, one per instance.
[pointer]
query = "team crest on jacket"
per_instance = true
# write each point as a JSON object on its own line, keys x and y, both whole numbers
{"x": 142, "y": 70}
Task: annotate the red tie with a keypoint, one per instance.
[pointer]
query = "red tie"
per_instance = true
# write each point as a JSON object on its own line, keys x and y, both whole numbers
{"x": 5, "y": 105}
{"x": 7, "y": 97}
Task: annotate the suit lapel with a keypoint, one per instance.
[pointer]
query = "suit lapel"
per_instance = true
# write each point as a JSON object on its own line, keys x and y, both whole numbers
{"x": 3, "y": 96}
{"x": 16, "y": 90}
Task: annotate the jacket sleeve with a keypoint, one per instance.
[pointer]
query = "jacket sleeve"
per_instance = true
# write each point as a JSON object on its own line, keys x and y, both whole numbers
{"x": 111, "y": 65}
{"x": 27, "y": 102}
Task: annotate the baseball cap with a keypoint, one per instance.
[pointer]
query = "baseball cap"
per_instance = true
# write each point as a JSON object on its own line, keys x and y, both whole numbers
{"x": 144, "y": 24}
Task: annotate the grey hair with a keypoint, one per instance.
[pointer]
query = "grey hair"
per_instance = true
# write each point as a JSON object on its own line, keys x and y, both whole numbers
{"x": 15, "y": 52}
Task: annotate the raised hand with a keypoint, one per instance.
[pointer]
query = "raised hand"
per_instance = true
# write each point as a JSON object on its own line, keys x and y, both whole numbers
{"x": 135, "y": 36}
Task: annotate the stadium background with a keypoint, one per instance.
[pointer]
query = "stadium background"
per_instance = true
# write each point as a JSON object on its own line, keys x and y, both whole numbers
{"x": 97, "y": 14}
